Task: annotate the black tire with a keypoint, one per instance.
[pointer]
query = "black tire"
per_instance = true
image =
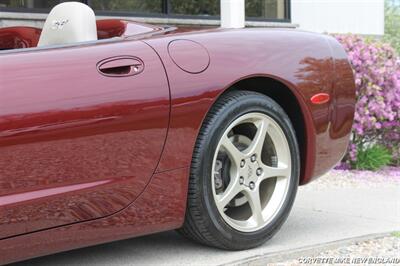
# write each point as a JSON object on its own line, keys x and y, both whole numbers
{"x": 203, "y": 223}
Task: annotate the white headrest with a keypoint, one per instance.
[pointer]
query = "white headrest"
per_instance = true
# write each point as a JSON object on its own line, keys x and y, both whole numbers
{"x": 69, "y": 22}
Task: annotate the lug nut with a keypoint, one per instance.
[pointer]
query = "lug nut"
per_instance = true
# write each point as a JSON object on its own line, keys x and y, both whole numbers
{"x": 242, "y": 163}
{"x": 259, "y": 171}
{"x": 253, "y": 158}
{"x": 241, "y": 180}
{"x": 252, "y": 185}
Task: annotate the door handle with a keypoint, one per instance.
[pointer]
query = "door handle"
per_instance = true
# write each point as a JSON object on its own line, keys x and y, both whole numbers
{"x": 120, "y": 66}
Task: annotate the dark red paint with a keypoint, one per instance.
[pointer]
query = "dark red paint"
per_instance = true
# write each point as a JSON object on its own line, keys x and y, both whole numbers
{"x": 87, "y": 158}
{"x": 19, "y": 37}
{"x": 121, "y": 66}
{"x": 63, "y": 124}
{"x": 180, "y": 50}
{"x": 28, "y": 37}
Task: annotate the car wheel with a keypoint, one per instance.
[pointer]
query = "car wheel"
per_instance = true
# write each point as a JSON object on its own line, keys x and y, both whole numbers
{"x": 244, "y": 173}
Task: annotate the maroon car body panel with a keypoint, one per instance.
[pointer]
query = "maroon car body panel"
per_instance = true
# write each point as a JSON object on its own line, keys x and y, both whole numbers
{"x": 74, "y": 144}
{"x": 87, "y": 158}
{"x": 161, "y": 207}
{"x": 302, "y": 61}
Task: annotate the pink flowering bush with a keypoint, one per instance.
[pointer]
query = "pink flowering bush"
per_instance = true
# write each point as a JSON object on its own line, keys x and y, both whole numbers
{"x": 377, "y": 77}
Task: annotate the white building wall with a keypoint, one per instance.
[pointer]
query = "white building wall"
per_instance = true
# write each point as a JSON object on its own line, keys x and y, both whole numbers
{"x": 340, "y": 16}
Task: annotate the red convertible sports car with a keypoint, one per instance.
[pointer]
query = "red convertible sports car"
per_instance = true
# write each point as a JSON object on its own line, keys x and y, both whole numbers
{"x": 114, "y": 129}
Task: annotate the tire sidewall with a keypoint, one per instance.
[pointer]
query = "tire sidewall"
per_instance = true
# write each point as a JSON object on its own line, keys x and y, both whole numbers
{"x": 227, "y": 115}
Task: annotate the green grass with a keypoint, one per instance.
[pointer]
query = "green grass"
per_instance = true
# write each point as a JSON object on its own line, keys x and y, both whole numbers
{"x": 373, "y": 158}
{"x": 396, "y": 234}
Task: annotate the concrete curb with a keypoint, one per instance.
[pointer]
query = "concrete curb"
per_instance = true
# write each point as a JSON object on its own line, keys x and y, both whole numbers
{"x": 307, "y": 251}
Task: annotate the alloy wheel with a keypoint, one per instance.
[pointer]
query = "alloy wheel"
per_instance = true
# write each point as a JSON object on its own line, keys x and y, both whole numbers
{"x": 251, "y": 172}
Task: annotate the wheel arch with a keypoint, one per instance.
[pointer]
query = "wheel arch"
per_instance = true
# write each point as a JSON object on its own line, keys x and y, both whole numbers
{"x": 293, "y": 103}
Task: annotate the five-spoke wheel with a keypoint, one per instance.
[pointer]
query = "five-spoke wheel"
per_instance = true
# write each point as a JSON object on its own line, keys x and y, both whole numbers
{"x": 244, "y": 173}
{"x": 256, "y": 171}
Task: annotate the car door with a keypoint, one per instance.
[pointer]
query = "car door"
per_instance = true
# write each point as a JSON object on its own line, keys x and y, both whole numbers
{"x": 81, "y": 132}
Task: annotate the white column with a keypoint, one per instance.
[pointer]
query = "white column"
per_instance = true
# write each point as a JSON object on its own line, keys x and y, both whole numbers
{"x": 232, "y": 14}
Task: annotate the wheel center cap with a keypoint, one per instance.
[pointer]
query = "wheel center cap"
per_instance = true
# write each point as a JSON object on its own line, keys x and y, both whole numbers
{"x": 249, "y": 172}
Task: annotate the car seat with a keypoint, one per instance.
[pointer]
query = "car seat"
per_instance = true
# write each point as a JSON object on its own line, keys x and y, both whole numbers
{"x": 67, "y": 23}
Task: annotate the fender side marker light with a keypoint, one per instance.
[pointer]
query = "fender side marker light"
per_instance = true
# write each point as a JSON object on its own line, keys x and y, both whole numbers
{"x": 320, "y": 98}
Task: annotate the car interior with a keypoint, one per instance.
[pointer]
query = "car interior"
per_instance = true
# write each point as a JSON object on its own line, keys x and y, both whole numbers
{"x": 70, "y": 23}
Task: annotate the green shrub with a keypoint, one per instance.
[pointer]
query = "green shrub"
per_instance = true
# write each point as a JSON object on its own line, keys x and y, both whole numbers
{"x": 377, "y": 78}
{"x": 392, "y": 23}
{"x": 373, "y": 158}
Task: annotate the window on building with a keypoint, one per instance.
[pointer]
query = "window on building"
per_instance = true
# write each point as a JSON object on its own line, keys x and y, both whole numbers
{"x": 29, "y": 3}
{"x": 137, "y": 6}
{"x": 267, "y": 9}
{"x": 255, "y": 9}
{"x": 195, "y": 7}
